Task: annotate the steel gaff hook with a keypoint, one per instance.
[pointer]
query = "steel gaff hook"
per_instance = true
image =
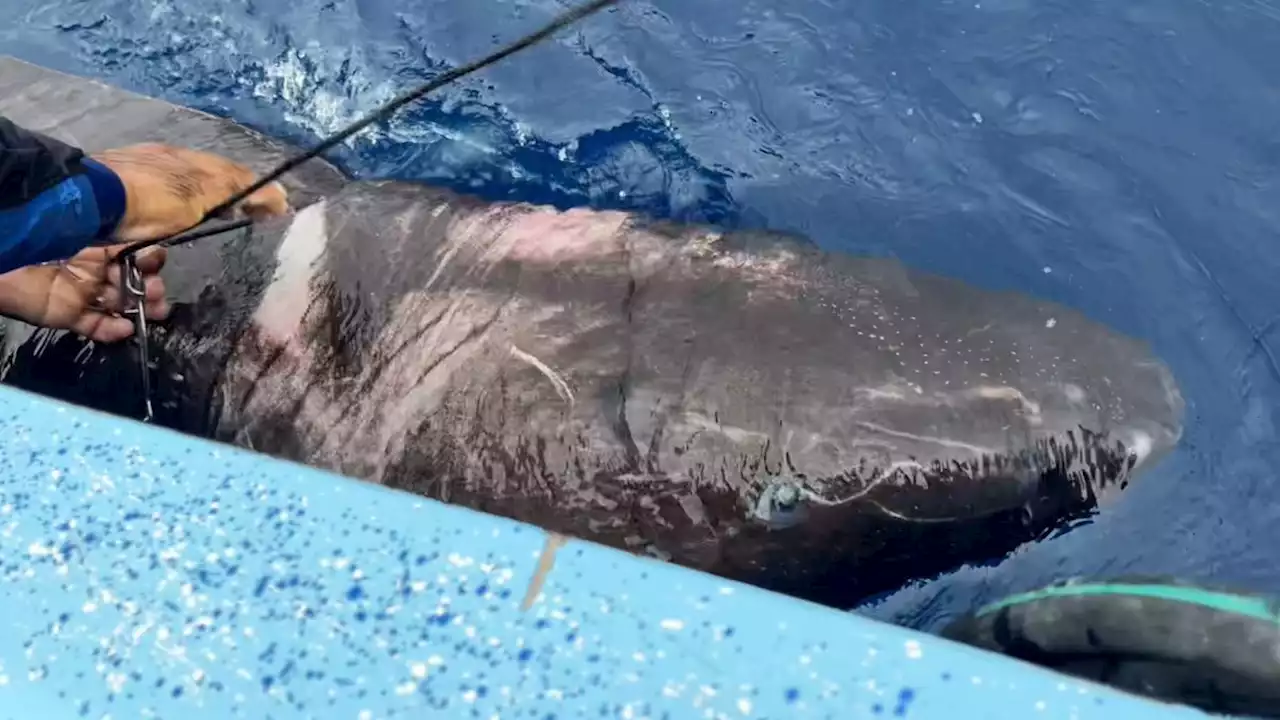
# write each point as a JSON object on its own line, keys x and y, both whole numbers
{"x": 135, "y": 303}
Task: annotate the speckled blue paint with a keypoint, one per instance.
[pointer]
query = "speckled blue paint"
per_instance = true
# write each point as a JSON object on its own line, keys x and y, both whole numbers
{"x": 146, "y": 574}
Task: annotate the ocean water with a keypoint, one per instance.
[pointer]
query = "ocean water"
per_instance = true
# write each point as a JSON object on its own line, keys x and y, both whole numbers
{"x": 1121, "y": 158}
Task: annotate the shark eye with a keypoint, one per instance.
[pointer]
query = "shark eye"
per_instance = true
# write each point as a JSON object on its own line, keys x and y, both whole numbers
{"x": 781, "y": 505}
{"x": 786, "y": 497}
{"x": 1028, "y": 515}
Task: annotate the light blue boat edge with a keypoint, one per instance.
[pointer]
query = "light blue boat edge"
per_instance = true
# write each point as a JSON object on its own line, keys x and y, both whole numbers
{"x": 150, "y": 574}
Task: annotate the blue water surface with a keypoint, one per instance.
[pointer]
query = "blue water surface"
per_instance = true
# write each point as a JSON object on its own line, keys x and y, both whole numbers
{"x": 1121, "y": 158}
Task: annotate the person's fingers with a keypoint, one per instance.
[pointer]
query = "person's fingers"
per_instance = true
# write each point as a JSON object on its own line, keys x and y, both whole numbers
{"x": 99, "y": 281}
{"x": 83, "y": 273}
{"x": 101, "y": 327}
{"x": 152, "y": 259}
{"x": 149, "y": 262}
{"x": 106, "y": 299}
{"x": 153, "y": 288}
{"x": 158, "y": 309}
{"x": 101, "y": 322}
{"x": 108, "y": 328}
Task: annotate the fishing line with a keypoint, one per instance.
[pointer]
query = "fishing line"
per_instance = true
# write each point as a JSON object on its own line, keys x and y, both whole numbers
{"x": 131, "y": 279}
{"x": 562, "y": 21}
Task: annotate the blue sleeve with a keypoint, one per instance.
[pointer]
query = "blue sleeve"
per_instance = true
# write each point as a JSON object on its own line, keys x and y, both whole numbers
{"x": 81, "y": 209}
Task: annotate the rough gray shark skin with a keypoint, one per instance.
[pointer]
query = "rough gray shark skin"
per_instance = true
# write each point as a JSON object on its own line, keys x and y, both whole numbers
{"x": 741, "y": 403}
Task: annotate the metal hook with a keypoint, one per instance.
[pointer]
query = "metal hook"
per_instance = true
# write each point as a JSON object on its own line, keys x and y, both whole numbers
{"x": 136, "y": 300}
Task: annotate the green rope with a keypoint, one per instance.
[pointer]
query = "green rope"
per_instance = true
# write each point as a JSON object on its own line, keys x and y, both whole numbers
{"x": 1256, "y": 608}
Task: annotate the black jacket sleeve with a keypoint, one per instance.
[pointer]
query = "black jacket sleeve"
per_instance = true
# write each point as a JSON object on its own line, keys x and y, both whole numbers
{"x": 31, "y": 163}
{"x": 54, "y": 200}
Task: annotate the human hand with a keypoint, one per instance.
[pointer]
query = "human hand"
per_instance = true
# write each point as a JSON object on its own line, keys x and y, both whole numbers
{"x": 169, "y": 189}
{"x": 83, "y": 294}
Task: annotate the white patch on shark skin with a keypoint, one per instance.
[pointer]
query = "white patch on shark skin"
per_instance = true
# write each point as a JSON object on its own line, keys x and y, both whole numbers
{"x": 940, "y": 441}
{"x": 905, "y": 466}
{"x": 443, "y": 255}
{"x": 1004, "y": 392}
{"x": 896, "y": 391}
{"x": 1073, "y": 392}
{"x": 892, "y": 391}
{"x": 562, "y": 387}
{"x": 458, "y": 335}
{"x": 297, "y": 261}
{"x": 547, "y": 236}
{"x": 736, "y": 434}
{"x": 15, "y": 335}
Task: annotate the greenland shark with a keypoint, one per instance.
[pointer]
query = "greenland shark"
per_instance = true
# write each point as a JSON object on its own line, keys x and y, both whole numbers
{"x": 738, "y": 402}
